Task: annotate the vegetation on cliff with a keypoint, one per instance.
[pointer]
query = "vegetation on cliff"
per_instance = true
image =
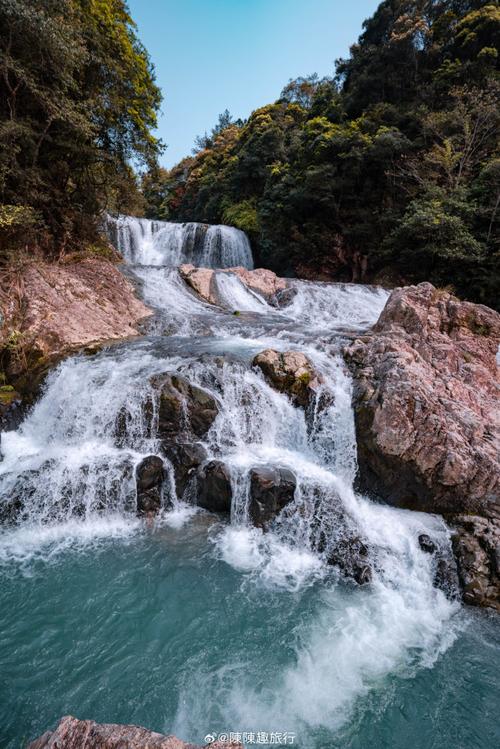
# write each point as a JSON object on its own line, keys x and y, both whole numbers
{"x": 391, "y": 169}
{"x": 78, "y": 103}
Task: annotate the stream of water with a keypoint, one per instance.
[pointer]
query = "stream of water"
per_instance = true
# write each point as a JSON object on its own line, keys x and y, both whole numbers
{"x": 199, "y": 624}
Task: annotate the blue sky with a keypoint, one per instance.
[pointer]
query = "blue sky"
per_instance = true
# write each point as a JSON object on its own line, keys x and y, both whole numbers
{"x": 239, "y": 54}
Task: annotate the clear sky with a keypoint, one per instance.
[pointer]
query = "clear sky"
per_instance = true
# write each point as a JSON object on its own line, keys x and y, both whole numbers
{"x": 211, "y": 55}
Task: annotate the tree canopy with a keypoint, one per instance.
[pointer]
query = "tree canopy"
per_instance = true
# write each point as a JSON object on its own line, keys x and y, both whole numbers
{"x": 78, "y": 103}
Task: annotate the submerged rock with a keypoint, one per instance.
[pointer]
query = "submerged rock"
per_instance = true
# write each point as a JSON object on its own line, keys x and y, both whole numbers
{"x": 72, "y": 733}
{"x": 271, "y": 489}
{"x": 149, "y": 474}
{"x": 183, "y": 408}
{"x": 284, "y": 297}
{"x": 214, "y": 486}
{"x": 289, "y": 372}
{"x": 427, "y": 418}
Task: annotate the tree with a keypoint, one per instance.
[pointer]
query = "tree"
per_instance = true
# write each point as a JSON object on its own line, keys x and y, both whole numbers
{"x": 78, "y": 103}
{"x": 388, "y": 170}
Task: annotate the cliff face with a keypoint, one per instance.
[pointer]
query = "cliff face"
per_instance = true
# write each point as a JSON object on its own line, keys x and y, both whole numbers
{"x": 428, "y": 420}
{"x": 50, "y": 310}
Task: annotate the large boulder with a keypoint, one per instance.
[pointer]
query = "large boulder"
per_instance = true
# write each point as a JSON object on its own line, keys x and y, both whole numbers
{"x": 203, "y": 281}
{"x": 289, "y": 372}
{"x": 271, "y": 489}
{"x": 183, "y": 408}
{"x": 72, "y": 733}
{"x": 261, "y": 280}
{"x": 426, "y": 407}
{"x": 214, "y": 486}
{"x": 149, "y": 476}
{"x": 426, "y": 403}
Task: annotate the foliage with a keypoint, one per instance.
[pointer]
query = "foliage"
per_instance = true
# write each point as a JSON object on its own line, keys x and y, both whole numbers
{"x": 390, "y": 168}
{"x": 77, "y": 104}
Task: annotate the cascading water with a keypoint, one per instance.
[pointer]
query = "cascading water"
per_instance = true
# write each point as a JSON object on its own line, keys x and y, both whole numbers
{"x": 146, "y": 242}
{"x": 199, "y": 625}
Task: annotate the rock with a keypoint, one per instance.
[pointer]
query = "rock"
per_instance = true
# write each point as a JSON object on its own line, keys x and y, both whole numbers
{"x": 263, "y": 281}
{"x": 183, "y": 408}
{"x": 185, "y": 458}
{"x": 426, "y": 543}
{"x": 427, "y": 418}
{"x": 351, "y": 556}
{"x": 202, "y": 281}
{"x": 284, "y": 297}
{"x": 271, "y": 489}
{"x": 11, "y": 410}
{"x": 289, "y": 372}
{"x": 150, "y": 474}
{"x": 476, "y": 544}
{"x": 72, "y": 733}
{"x": 446, "y": 577}
{"x": 214, "y": 487}
{"x": 426, "y": 403}
{"x": 69, "y": 306}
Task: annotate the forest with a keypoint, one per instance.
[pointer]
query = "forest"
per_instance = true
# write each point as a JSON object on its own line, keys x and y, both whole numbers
{"x": 388, "y": 171}
{"x": 78, "y": 106}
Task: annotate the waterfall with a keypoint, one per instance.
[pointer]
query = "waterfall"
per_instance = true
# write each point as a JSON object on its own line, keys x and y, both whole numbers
{"x": 67, "y": 479}
{"x": 145, "y": 242}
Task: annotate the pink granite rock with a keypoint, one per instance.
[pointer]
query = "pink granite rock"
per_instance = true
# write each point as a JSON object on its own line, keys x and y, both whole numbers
{"x": 202, "y": 281}
{"x": 427, "y": 414}
{"x": 72, "y": 733}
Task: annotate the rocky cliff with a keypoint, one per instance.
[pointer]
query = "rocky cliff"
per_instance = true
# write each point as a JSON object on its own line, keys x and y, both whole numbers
{"x": 428, "y": 421}
{"x": 50, "y": 310}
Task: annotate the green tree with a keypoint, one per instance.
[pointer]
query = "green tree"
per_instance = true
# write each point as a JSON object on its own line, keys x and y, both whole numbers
{"x": 78, "y": 103}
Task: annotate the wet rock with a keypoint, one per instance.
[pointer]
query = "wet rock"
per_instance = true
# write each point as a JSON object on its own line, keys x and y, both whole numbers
{"x": 183, "y": 408}
{"x": 446, "y": 577}
{"x": 150, "y": 474}
{"x": 185, "y": 458}
{"x": 426, "y": 403}
{"x": 426, "y": 543}
{"x": 263, "y": 281}
{"x": 284, "y": 297}
{"x": 271, "y": 489}
{"x": 11, "y": 410}
{"x": 351, "y": 556}
{"x": 214, "y": 487}
{"x": 72, "y": 733}
{"x": 202, "y": 281}
{"x": 289, "y": 372}
{"x": 476, "y": 544}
